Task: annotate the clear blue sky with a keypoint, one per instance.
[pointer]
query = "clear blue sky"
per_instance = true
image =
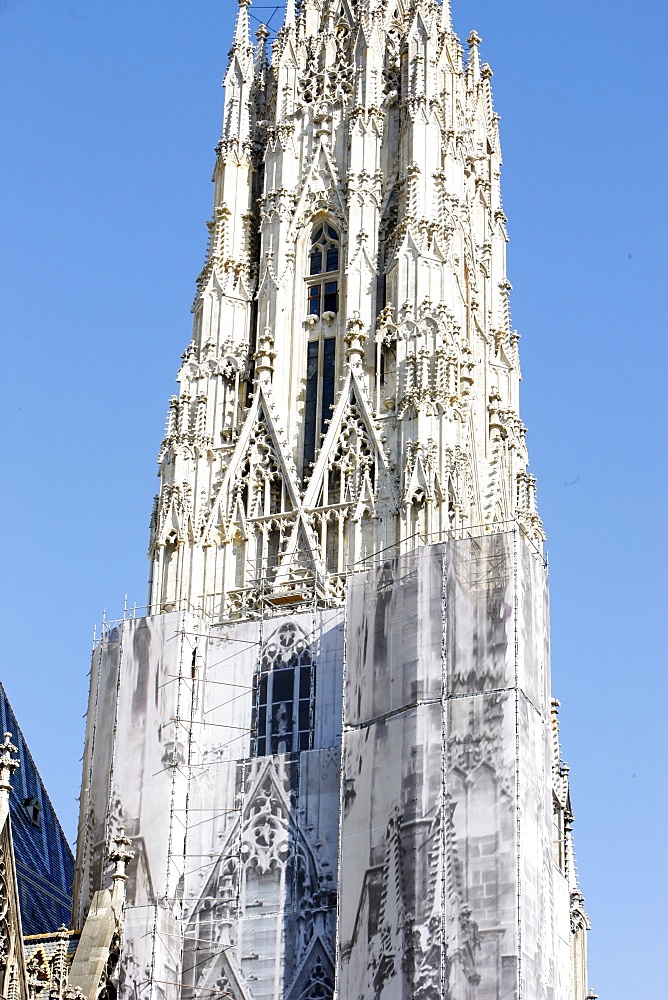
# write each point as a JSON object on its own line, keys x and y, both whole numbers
{"x": 109, "y": 115}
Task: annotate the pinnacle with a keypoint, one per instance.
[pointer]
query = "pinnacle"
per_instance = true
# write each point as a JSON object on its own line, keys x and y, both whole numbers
{"x": 446, "y": 16}
{"x": 242, "y": 31}
{"x": 474, "y": 40}
{"x": 120, "y": 855}
{"x": 8, "y": 763}
{"x": 290, "y": 14}
{"x": 262, "y": 35}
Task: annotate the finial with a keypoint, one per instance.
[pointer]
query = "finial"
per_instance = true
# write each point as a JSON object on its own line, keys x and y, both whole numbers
{"x": 7, "y": 767}
{"x": 120, "y": 855}
{"x": 355, "y": 339}
{"x": 7, "y": 763}
{"x": 264, "y": 357}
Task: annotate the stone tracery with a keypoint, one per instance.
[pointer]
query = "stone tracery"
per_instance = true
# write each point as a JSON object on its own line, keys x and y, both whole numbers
{"x": 423, "y": 316}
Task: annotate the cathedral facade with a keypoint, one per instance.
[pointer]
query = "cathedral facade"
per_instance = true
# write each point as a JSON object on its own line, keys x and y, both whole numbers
{"x": 331, "y": 742}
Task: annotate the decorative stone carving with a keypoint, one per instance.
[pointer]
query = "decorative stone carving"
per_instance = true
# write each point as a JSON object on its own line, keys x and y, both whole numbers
{"x": 407, "y": 237}
{"x": 5, "y": 924}
{"x": 332, "y": 417}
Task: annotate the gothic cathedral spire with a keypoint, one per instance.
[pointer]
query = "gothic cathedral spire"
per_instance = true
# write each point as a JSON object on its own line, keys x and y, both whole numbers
{"x": 356, "y": 262}
{"x": 331, "y": 740}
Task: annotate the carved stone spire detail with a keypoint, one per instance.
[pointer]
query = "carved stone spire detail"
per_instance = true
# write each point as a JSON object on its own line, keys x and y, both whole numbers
{"x": 8, "y": 764}
{"x": 357, "y": 176}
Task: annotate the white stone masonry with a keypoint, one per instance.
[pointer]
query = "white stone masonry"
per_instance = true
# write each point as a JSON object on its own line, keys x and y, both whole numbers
{"x": 330, "y": 407}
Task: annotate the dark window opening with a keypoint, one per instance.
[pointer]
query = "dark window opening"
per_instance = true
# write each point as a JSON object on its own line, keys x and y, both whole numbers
{"x": 314, "y": 297}
{"x": 33, "y": 809}
{"x": 324, "y": 250}
{"x": 328, "y": 370}
{"x": 319, "y": 398}
{"x": 381, "y": 281}
{"x": 311, "y": 402}
{"x": 330, "y": 296}
{"x": 284, "y": 693}
{"x": 253, "y": 347}
{"x": 323, "y": 298}
{"x": 324, "y": 259}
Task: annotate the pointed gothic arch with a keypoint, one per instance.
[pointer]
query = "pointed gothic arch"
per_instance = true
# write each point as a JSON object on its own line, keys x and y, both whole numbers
{"x": 315, "y": 978}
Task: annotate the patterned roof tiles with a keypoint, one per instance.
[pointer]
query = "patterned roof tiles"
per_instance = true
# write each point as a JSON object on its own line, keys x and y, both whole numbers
{"x": 44, "y": 861}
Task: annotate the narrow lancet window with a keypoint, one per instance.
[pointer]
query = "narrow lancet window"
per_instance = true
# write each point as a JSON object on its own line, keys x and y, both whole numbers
{"x": 320, "y": 370}
{"x": 311, "y": 401}
{"x": 322, "y": 301}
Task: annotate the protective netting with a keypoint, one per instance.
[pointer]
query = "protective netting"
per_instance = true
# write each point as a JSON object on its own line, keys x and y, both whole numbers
{"x": 386, "y": 820}
{"x": 447, "y": 882}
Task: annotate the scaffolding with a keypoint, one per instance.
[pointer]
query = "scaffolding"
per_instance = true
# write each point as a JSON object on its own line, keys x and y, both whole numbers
{"x": 176, "y": 705}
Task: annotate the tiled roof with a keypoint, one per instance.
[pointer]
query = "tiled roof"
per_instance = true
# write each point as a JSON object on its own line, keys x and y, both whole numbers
{"x": 48, "y": 944}
{"x": 44, "y": 861}
{"x": 44, "y": 960}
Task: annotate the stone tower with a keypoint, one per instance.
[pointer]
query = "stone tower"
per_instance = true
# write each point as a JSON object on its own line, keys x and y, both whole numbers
{"x": 331, "y": 739}
{"x": 353, "y": 379}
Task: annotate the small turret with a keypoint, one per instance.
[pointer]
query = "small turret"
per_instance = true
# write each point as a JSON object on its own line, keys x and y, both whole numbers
{"x": 8, "y": 764}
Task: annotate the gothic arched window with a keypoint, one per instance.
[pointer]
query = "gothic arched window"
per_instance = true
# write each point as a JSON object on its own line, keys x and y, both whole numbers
{"x": 323, "y": 293}
{"x": 322, "y": 284}
{"x": 284, "y": 693}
